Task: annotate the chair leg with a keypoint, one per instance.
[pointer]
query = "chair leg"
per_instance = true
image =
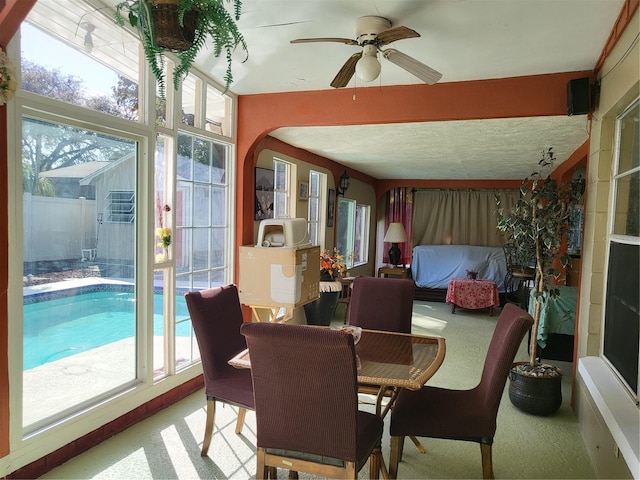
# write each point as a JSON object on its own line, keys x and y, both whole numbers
{"x": 240, "y": 422}
{"x": 375, "y": 463}
{"x": 395, "y": 455}
{"x": 261, "y": 470}
{"x": 487, "y": 461}
{"x": 418, "y": 445}
{"x": 208, "y": 430}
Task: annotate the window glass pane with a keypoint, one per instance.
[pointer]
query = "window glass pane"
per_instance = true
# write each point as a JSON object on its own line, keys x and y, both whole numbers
{"x": 202, "y": 160}
{"x": 621, "y": 343}
{"x": 159, "y": 280}
{"x": 200, "y": 248}
{"x": 218, "y": 236}
{"x": 627, "y": 214}
{"x": 162, "y": 182}
{"x": 629, "y": 139}
{"x": 88, "y": 69}
{"x": 281, "y": 176}
{"x": 190, "y": 96}
{"x": 71, "y": 321}
{"x": 219, "y": 206}
{"x": 201, "y": 203}
{"x": 218, "y": 112}
{"x": 315, "y": 200}
{"x": 281, "y": 193}
{"x": 164, "y": 109}
{"x": 361, "y": 242}
{"x": 345, "y": 235}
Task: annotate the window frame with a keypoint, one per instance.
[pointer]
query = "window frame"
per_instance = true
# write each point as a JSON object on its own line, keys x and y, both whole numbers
{"x": 618, "y": 238}
{"x": 317, "y": 196}
{"x": 282, "y": 191}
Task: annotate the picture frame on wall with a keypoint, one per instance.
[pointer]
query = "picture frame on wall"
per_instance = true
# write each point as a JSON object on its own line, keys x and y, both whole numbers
{"x": 303, "y": 190}
{"x": 264, "y": 194}
{"x": 331, "y": 207}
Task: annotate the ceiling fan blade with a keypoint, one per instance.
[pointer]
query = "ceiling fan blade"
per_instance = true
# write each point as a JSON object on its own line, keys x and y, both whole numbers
{"x": 346, "y": 41}
{"x": 413, "y": 66}
{"x": 396, "y": 33}
{"x": 346, "y": 72}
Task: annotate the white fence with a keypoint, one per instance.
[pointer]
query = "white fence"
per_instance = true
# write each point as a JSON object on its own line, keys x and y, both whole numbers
{"x": 58, "y": 228}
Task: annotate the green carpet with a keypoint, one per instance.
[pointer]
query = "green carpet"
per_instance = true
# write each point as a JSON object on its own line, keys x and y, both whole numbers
{"x": 167, "y": 446}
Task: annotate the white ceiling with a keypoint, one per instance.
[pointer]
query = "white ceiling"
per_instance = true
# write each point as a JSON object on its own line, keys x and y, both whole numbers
{"x": 463, "y": 39}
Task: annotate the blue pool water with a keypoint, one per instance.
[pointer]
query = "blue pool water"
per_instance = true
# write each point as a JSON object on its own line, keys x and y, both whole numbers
{"x": 61, "y": 327}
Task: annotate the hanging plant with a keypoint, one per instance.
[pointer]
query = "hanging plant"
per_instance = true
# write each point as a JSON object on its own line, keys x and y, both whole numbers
{"x": 183, "y": 27}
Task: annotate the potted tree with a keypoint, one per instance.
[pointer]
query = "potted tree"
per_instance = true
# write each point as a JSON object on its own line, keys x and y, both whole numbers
{"x": 538, "y": 223}
{"x": 183, "y": 27}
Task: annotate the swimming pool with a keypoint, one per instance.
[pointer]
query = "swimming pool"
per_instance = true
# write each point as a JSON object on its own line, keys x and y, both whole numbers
{"x": 71, "y": 322}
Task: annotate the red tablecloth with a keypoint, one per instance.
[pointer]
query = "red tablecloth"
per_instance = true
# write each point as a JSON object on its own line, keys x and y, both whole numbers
{"x": 473, "y": 294}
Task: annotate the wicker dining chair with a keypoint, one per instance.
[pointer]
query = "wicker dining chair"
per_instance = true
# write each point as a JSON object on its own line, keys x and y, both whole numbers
{"x": 307, "y": 416}
{"x": 468, "y": 415}
{"x": 379, "y": 303}
{"x": 216, "y": 316}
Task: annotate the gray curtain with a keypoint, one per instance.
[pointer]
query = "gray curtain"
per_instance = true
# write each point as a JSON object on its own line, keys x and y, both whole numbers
{"x": 458, "y": 217}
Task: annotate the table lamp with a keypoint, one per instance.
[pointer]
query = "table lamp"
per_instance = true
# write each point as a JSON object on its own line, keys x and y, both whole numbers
{"x": 395, "y": 234}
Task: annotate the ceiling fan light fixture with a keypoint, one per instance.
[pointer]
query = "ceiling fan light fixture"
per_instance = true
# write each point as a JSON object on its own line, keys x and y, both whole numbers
{"x": 368, "y": 67}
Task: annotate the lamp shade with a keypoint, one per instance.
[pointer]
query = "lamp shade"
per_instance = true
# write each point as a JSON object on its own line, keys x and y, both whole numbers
{"x": 395, "y": 233}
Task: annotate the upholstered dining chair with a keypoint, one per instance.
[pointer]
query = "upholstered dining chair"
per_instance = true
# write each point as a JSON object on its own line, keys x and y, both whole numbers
{"x": 307, "y": 417}
{"x": 468, "y": 415}
{"x": 216, "y": 316}
{"x": 382, "y": 304}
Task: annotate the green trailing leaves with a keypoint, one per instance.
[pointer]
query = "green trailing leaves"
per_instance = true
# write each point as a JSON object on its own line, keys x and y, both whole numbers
{"x": 214, "y": 23}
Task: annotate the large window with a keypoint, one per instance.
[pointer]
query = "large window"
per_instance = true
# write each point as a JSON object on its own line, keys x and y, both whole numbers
{"x": 352, "y": 237}
{"x": 107, "y": 237}
{"x": 79, "y": 317}
{"x": 621, "y": 346}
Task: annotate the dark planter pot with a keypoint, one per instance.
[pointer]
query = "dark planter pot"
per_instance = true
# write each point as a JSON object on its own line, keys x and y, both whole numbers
{"x": 168, "y": 33}
{"x": 327, "y": 277}
{"x": 320, "y": 312}
{"x": 535, "y": 395}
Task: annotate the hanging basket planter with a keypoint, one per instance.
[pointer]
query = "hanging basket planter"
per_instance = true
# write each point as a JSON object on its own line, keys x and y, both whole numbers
{"x": 168, "y": 33}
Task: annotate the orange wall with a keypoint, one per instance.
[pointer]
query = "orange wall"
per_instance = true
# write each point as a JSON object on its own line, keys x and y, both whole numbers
{"x": 537, "y": 95}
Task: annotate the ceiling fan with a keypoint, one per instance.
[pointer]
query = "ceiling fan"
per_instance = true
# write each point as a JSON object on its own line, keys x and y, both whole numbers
{"x": 372, "y": 33}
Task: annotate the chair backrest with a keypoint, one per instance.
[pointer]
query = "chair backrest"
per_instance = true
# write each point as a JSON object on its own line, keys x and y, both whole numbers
{"x": 216, "y": 316}
{"x": 382, "y": 304}
{"x": 305, "y": 388}
{"x": 511, "y": 328}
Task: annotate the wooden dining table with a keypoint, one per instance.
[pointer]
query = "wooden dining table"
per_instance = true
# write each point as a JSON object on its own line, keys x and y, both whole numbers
{"x": 387, "y": 362}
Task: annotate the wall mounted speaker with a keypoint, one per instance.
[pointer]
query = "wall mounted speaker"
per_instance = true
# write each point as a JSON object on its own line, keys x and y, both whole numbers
{"x": 578, "y": 96}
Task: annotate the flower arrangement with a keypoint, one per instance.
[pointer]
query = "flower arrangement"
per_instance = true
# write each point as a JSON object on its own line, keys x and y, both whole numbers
{"x": 164, "y": 234}
{"x": 332, "y": 264}
{"x": 8, "y": 81}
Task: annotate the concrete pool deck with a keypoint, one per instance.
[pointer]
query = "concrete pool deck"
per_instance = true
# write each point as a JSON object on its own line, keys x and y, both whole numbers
{"x": 65, "y": 384}
{"x": 62, "y": 385}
